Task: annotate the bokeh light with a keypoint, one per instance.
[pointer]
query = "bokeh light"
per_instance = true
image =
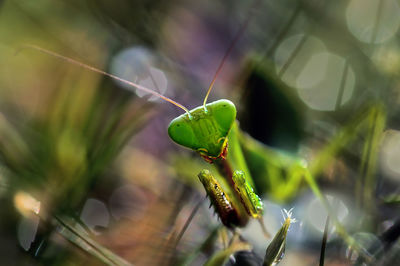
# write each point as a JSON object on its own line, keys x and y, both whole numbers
{"x": 326, "y": 82}
{"x": 95, "y": 215}
{"x": 373, "y": 21}
{"x": 367, "y": 241}
{"x": 136, "y": 64}
{"x": 27, "y": 229}
{"x": 293, "y": 53}
{"x": 26, "y": 204}
{"x": 390, "y": 154}
{"x": 317, "y": 214}
{"x": 128, "y": 202}
{"x": 387, "y": 58}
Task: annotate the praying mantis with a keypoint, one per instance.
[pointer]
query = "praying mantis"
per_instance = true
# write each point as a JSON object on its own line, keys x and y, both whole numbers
{"x": 216, "y": 121}
{"x": 206, "y": 130}
{"x": 212, "y": 131}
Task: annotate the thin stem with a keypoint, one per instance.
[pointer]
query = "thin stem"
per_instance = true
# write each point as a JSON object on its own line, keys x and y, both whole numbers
{"x": 228, "y": 52}
{"x": 342, "y": 85}
{"x": 377, "y": 21}
{"x": 77, "y": 234}
{"x": 284, "y": 31}
{"x": 188, "y": 221}
{"x": 293, "y": 55}
{"x": 324, "y": 240}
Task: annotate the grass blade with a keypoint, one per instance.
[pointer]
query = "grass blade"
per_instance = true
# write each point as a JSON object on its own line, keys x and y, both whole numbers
{"x": 323, "y": 244}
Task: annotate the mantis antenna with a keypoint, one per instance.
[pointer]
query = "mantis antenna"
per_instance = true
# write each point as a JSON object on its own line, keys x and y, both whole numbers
{"x": 227, "y": 53}
{"x": 73, "y": 61}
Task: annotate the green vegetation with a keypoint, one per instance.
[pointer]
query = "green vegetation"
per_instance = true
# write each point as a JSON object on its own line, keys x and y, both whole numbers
{"x": 89, "y": 173}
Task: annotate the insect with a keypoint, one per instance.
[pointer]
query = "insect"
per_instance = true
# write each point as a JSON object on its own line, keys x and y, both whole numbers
{"x": 205, "y": 129}
{"x": 211, "y": 131}
{"x": 211, "y": 128}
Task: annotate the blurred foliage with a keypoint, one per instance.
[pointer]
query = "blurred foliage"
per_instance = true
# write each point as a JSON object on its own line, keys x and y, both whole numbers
{"x": 88, "y": 174}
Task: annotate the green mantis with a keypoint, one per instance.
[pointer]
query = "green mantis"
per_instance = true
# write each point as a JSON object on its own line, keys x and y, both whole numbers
{"x": 211, "y": 130}
{"x": 205, "y": 129}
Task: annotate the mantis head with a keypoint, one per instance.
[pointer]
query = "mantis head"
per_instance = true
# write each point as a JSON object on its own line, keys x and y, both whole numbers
{"x": 205, "y": 130}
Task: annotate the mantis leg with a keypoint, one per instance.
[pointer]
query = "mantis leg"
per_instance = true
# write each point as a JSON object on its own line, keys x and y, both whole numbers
{"x": 284, "y": 174}
{"x": 284, "y": 190}
{"x": 373, "y": 120}
{"x": 280, "y": 174}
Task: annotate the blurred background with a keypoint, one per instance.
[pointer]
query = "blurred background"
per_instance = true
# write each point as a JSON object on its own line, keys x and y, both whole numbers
{"x": 89, "y": 175}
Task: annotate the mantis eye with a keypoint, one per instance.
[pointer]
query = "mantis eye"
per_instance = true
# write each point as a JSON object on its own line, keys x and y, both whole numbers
{"x": 181, "y": 132}
{"x": 224, "y": 113}
{"x": 222, "y": 140}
